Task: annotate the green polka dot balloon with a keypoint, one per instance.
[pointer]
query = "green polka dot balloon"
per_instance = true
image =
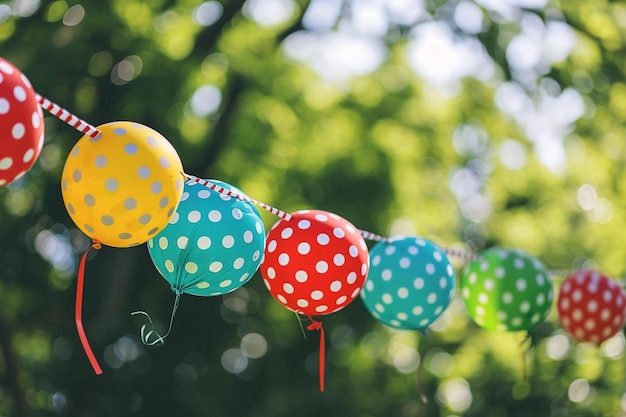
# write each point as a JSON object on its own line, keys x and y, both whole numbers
{"x": 507, "y": 290}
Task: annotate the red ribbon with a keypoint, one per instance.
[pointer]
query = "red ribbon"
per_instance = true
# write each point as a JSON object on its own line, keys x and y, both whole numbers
{"x": 79, "y": 310}
{"x": 317, "y": 325}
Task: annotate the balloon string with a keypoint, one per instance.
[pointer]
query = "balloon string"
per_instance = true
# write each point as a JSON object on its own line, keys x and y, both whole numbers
{"x": 317, "y": 325}
{"x": 226, "y": 191}
{"x": 145, "y": 337}
{"x": 522, "y": 351}
{"x": 79, "y": 310}
{"x": 418, "y": 381}
{"x": 67, "y": 117}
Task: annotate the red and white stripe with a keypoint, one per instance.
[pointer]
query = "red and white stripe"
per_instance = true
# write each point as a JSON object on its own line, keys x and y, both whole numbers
{"x": 225, "y": 191}
{"x": 373, "y": 236}
{"x": 64, "y": 115}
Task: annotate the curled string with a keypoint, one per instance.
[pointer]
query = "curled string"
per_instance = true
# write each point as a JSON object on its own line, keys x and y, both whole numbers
{"x": 78, "y": 312}
{"x": 146, "y": 335}
{"x": 317, "y": 325}
{"x": 422, "y": 351}
{"x": 524, "y": 345}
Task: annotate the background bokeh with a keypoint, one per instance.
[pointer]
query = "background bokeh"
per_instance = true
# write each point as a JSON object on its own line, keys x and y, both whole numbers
{"x": 470, "y": 123}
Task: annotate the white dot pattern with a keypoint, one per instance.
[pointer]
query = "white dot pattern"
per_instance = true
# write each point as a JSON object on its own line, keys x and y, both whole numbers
{"x": 21, "y": 124}
{"x": 506, "y": 290}
{"x": 591, "y": 307}
{"x": 413, "y": 279}
{"x": 220, "y": 240}
{"x": 325, "y": 262}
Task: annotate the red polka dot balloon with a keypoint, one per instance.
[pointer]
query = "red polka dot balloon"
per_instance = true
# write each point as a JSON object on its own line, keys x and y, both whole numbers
{"x": 591, "y": 306}
{"x": 315, "y": 263}
{"x": 21, "y": 124}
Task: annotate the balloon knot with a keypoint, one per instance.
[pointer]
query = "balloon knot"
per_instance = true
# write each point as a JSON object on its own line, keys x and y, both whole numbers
{"x": 96, "y": 245}
{"x": 315, "y": 325}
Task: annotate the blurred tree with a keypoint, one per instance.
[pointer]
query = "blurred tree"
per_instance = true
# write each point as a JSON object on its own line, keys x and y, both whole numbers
{"x": 470, "y": 123}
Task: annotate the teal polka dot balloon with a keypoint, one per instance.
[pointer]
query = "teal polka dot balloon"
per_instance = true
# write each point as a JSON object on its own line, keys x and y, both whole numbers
{"x": 507, "y": 290}
{"x": 410, "y": 284}
{"x": 213, "y": 243}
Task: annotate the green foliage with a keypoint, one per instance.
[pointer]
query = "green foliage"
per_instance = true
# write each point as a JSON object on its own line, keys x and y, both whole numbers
{"x": 389, "y": 149}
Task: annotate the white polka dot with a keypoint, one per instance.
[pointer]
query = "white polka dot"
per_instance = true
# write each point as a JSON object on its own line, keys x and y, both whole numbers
{"x": 191, "y": 267}
{"x": 323, "y": 239}
{"x": 443, "y": 283}
{"x": 430, "y": 269}
{"x": 302, "y": 303}
{"x": 321, "y": 308}
{"x": 169, "y": 265}
{"x": 607, "y": 296}
{"x": 335, "y": 286}
{"x": 417, "y": 310}
{"x": 519, "y": 263}
{"x": 304, "y": 248}
{"x": 341, "y": 300}
{"x": 215, "y": 266}
{"x": 182, "y": 241}
{"x": 353, "y": 251}
{"x": 283, "y": 259}
{"x": 403, "y": 292}
{"x": 387, "y": 298}
{"x": 321, "y": 267}
{"x": 489, "y": 284}
{"x": 163, "y": 243}
{"x": 202, "y": 285}
{"x": 413, "y": 250}
{"x": 18, "y": 131}
{"x": 432, "y": 298}
{"x": 480, "y": 310}
{"x": 304, "y": 224}
{"x": 605, "y": 314}
{"x": 402, "y": 316}
{"x": 390, "y": 250}
{"x": 339, "y": 259}
{"x": 237, "y": 214}
{"x": 499, "y": 272}
{"x": 376, "y": 260}
{"x": 4, "y": 106}
{"x": 271, "y": 246}
{"x": 590, "y": 324}
{"x": 541, "y": 299}
{"x": 418, "y": 283}
{"x": 321, "y": 217}
{"x": 577, "y": 295}
{"x": 364, "y": 268}
{"x": 520, "y": 284}
{"x": 386, "y": 274}
{"x": 19, "y": 93}
{"x": 351, "y": 278}
{"x": 317, "y": 295}
{"x": 6, "y": 163}
{"x": 226, "y": 283}
{"x": 524, "y": 307}
{"x": 540, "y": 279}
{"x": 281, "y": 298}
{"x": 507, "y": 298}
{"x": 472, "y": 278}
{"x": 577, "y": 315}
{"x": 238, "y": 263}
{"x": 438, "y": 310}
{"x": 194, "y": 216}
{"x": 338, "y": 232}
{"x": 405, "y": 263}
{"x": 204, "y": 242}
{"x": 286, "y": 233}
{"x": 302, "y": 276}
{"x": 369, "y": 285}
{"x": 483, "y": 298}
{"x": 215, "y": 216}
{"x": 564, "y": 303}
{"x": 270, "y": 272}
{"x": 288, "y": 288}
{"x": 228, "y": 241}
{"x": 516, "y": 321}
{"x": 501, "y": 315}
{"x": 28, "y": 155}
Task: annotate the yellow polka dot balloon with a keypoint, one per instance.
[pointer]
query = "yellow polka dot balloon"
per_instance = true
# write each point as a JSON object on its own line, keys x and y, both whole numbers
{"x": 122, "y": 187}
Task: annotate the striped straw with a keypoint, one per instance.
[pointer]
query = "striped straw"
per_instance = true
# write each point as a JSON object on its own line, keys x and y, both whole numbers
{"x": 373, "y": 236}
{"x": 64, "y": 115}
{"x": 226, "y": 191}
{"x": 458, "y": 253}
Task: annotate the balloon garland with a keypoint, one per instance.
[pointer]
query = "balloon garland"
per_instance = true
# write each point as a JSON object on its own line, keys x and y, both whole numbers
{"x": 123, "y": 185}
